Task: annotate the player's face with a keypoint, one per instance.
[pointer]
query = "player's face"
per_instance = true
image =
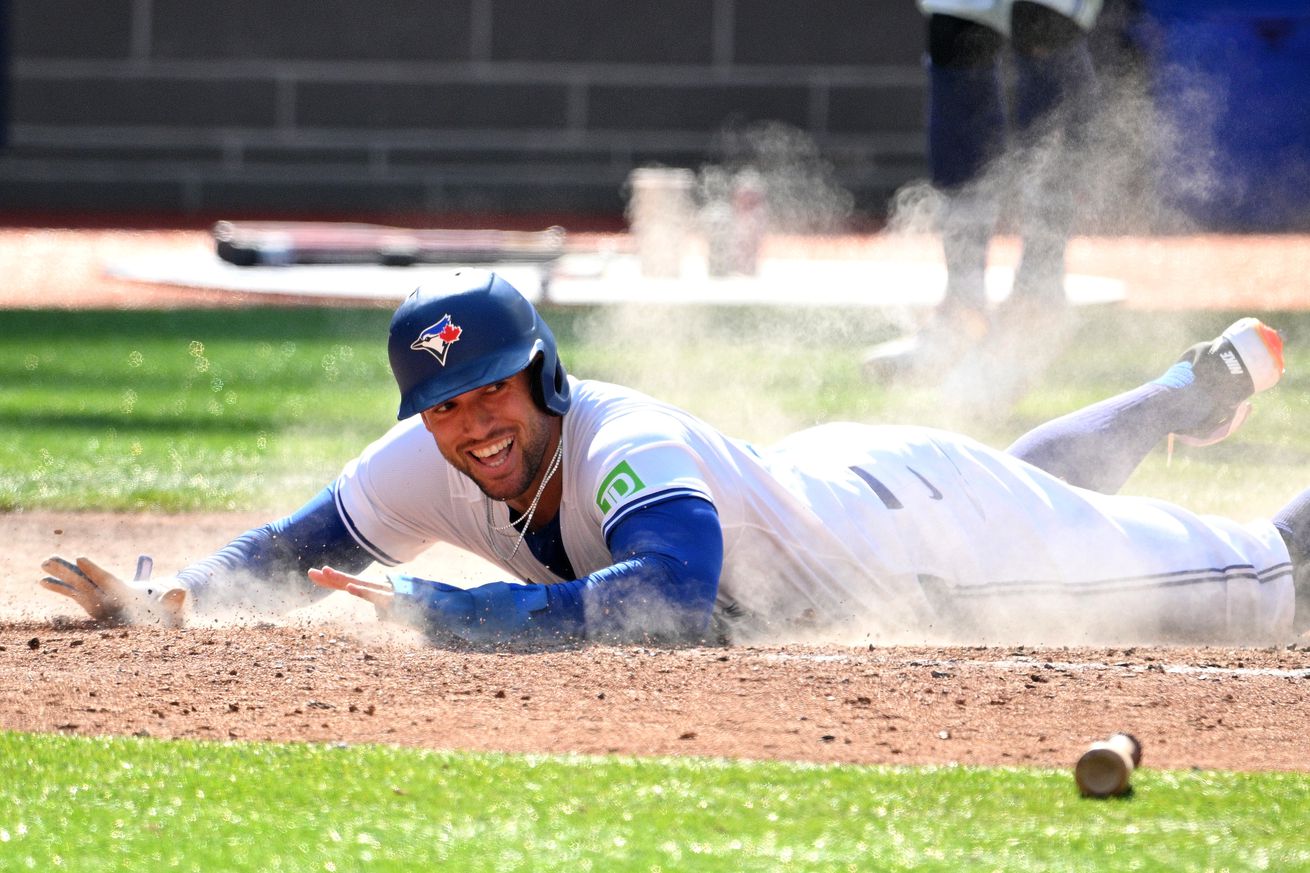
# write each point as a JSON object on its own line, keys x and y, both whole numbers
{"x": 497, "y": 436}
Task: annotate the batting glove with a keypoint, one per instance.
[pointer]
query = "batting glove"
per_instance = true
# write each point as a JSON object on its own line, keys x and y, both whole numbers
{"x": 105, "y": 597}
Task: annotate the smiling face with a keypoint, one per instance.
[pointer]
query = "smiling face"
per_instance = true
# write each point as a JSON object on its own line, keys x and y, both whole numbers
{"x": 498, "y": 437}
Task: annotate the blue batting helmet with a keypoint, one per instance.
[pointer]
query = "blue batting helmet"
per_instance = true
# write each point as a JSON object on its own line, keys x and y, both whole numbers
{"x": 470, "y": 331}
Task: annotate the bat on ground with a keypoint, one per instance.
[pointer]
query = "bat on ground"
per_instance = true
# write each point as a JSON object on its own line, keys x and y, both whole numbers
{"x": 268, "y": 243}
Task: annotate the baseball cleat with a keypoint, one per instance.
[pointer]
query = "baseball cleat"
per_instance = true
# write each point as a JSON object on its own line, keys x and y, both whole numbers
{"x": 1244, "y": 360}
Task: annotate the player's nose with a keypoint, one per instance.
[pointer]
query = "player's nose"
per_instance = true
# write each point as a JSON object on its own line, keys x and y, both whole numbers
{"x": 478, "y": 419}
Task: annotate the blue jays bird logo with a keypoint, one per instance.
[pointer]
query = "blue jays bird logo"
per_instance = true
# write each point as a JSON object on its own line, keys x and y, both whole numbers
{"x": 437, "y": 338}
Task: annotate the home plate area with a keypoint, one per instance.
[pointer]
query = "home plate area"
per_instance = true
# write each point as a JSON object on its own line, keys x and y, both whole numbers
{"x": 600, "y": 277}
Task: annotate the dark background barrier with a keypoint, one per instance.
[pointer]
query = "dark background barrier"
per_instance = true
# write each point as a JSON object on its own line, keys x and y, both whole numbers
{"x": 439, "y": 107}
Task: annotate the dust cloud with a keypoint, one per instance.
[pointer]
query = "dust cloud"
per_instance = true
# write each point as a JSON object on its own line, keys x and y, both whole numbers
{"x": 800, "y": 186}
{"x": 1124, "y": 168}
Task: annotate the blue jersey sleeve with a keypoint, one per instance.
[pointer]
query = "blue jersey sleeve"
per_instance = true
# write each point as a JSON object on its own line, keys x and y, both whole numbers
{"x": 661, "y": 586}
{"x": 281, "y": 552}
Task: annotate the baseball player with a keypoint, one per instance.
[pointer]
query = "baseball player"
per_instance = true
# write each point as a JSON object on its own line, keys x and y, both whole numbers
{"x": 619, "y": 517}
{"x": 969, "y": 122}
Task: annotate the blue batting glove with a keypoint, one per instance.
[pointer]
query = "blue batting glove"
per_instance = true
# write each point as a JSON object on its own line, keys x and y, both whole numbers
{"x": 498, "y": 612}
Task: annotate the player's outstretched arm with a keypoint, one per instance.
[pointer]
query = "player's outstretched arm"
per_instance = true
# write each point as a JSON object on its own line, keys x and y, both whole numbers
{"x": 662, "y": 586}
{"x": 278, "y": 553}
{"x": 106, "y": 597}
{"x": 495, "y": 613}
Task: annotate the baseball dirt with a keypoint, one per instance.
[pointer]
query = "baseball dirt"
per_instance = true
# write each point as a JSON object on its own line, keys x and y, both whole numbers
{"x": 331, "y": 673}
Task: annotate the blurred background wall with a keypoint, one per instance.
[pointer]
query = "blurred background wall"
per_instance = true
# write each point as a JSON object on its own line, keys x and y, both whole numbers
{"x": 423, "y": 107}
{"x": 438, "y": 105}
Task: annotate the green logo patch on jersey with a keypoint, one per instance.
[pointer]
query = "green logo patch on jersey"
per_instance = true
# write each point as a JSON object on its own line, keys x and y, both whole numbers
{"x": 618, "y": 484}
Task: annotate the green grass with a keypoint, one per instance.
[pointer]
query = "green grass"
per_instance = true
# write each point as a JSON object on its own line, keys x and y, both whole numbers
{"x": 124, "y": 804}
{"x": 258, "y": 408}
{"x": 185, "y": 410}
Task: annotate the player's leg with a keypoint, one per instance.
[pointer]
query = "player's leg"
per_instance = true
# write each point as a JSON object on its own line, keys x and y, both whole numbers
{"x": 966, "y": 133}
{"x": 1050, "y": 115}
{"x": 1293, "y": 523}
{"x": 1006, "y": 552}
{"x": 1054, "y": 95}
{"x": 1202, "y": 398}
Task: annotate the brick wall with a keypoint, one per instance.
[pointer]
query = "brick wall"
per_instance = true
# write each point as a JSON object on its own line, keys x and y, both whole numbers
{"x": 419, "y": 106}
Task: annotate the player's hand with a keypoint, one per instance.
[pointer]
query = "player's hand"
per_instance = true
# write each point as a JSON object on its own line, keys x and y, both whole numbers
{"x": 406, "y": 606}
{"x": 381, "y": 594}
{"x": 498, "y": 612}
{"x": 105, "y": 597}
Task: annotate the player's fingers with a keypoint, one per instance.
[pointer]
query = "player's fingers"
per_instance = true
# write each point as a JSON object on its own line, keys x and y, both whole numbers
{"x": 114, "y": 595}
{"x": 61, "y": 569}
{"x": 54, "y": 582}
{"x": 325, "y": 579}
{"x": 379, "y": 597}
{"x": 106, "y": 580}
{"x": 332, "y": 578}
{"x": 67, "y": 579}
{"x": 59, "y": 586}
{"x": 380, "y": 587}
{"x": 88, "y": 597}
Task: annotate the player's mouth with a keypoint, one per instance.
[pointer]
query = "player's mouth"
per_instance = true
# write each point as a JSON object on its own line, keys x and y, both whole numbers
{"x": 493, "y": 455}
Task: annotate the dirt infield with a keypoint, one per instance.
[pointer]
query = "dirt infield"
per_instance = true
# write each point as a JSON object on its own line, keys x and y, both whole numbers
{"x": 332, "y": 674}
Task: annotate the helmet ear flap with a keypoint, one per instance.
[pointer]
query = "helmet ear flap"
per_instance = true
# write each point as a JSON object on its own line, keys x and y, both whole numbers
{"x": 549, "y": 392}
{"x": 535, "y": 382}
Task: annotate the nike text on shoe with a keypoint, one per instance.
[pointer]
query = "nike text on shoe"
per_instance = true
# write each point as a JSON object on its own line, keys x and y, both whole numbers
{"x": 1244, "y": 360}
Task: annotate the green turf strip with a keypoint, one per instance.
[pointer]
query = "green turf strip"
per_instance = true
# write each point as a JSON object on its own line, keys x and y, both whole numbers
{"x": 185, "y": 410}
{"x": 70, "y": 803}
{"x": 259, "y": 408}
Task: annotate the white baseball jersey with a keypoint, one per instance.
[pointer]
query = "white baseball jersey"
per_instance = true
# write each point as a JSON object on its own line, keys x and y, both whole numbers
{"x": 996, "y": 13}
{"x": 847, "y": 531}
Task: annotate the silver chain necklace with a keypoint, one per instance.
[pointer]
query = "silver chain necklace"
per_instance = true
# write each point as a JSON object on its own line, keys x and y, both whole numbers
{"x": 512, "y": 529}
